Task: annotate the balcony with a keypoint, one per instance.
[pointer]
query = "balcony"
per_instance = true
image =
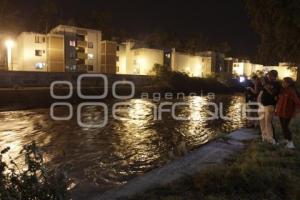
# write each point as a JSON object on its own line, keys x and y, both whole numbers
{"x": 82, "y": 44}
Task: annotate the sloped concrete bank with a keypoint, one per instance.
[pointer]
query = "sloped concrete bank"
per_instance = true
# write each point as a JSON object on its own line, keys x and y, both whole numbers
{"x": 214, "y": 153}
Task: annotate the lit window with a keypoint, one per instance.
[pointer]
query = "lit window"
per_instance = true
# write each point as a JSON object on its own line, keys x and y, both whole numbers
{"x": 40, "y": 65}
{"x": 38, "y": 53}
{"x": 40, "y": 39}
{"x": 90, "y": 45}
{"x": 72, "y": 43}
{"x": 90, "y": 56}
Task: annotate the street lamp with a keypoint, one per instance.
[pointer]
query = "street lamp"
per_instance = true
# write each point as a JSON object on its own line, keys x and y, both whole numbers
{"x": 9, "y": 45}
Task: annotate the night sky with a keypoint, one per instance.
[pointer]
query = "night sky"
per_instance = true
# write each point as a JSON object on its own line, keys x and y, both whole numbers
{"x": 218, "y": 20}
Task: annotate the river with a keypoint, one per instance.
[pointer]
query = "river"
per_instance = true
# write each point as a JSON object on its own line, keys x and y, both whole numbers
{"x": 104, "y": 158}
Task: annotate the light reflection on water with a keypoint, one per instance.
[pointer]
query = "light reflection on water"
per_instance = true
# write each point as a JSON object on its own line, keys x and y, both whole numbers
{"x": 126, "y": 147}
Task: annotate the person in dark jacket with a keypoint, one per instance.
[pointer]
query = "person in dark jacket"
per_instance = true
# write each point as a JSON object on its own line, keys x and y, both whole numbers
{"x": 268, "y": 98}
{"x": 253, "y": 91}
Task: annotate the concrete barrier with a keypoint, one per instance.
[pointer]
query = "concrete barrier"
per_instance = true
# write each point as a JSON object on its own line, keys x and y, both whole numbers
{"x": 44, "y": 79}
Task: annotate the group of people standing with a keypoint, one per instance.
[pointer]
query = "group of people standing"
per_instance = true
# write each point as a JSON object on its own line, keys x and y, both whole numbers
{"x": 276, "y": 99}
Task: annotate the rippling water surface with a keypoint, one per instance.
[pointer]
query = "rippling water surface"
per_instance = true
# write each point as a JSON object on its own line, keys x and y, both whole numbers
{"x": 106, "y": 157}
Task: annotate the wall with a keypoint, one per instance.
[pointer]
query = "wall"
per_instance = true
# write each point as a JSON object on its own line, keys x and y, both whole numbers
{"x": 95, "y": 38}
{"x": 25, "y": 55}
{"x": 139, "y": 61}
{"x": 122, "y": 60}
{"x": 192, "y": 65}
{"x": 37, "y": 79}
{"x": 55, "y": 53}
{"x": 108, "y": 57}
{"x": 145, "y": 59}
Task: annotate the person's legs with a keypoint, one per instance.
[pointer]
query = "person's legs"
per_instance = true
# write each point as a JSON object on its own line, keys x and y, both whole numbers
{"x": 285, "y": 122}
{"x": 262, "y": 123}
{"x": 269, "y": 114}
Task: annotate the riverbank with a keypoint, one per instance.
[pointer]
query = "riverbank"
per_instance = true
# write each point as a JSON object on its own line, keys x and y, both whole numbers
{"x": 212, "y": 154}
{"x": 261, "y": 172}
{"x": 24, "y": 90}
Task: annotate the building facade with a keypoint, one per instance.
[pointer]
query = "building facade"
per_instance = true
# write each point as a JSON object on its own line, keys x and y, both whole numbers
{"x": 82, "y": 48}
{"x": 187, "y": 63}
{"x": 246, "y": 68}
{"x": 136, "y": 59}
{"x": 133, "y": 59}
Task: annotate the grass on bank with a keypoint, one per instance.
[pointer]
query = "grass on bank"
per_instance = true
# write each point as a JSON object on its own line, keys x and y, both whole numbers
{"x": 261, "y": 172}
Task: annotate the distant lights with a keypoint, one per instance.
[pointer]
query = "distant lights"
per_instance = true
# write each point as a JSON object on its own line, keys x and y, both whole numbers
{"x": 242, "y": 79}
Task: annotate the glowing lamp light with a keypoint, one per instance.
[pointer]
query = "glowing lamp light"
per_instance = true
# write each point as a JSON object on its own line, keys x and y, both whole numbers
{"x": 9, "y": 44}
{"x": 242, "y": 79}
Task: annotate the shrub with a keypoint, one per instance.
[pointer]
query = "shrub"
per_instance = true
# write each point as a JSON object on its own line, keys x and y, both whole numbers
{"x": 34, "y": 181}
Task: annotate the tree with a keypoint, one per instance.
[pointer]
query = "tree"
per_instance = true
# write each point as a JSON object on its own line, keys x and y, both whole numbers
{"x": 99, "y": 20}
{"x": 8, "y": 17}
{"x": 47, "y": 13}
{"x": 195, "y": 43}
{"x": 278, "y": 24}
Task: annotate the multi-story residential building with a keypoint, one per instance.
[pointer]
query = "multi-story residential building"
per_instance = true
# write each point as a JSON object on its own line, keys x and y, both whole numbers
{"x": 217, "y": 60}
{"x": 108, "y": 57}
{"x": 246, "y": 68}
{"x": 187, "y": 63}
{"x": 63, "y": 49}
{"x": 134, "y": 59}
{"x": 82, "y": 48}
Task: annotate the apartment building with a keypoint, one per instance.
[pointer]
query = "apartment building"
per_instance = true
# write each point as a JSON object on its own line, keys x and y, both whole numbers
{"x": 187, "y": 63}
{"x": 216, "y": 60}
{"x": 136, "y": 59}
{"x": 82, "y": 48}
{"x": 246, "y": 68}
{"x": 63, "y": 49}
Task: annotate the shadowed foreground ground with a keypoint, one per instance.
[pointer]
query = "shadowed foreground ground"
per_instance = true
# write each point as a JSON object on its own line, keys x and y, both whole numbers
{"x": 261, "y": 172}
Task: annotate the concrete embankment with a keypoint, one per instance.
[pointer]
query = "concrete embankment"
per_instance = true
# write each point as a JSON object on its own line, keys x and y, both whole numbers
{"x": 21, "y": 90}
{"x": 214, "y": 153}
{"x": 32, "y": 89}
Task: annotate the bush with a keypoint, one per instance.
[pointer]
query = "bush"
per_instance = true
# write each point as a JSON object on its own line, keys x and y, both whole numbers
{"x": 34, "y": 181}
{"x": 181, "y": 82}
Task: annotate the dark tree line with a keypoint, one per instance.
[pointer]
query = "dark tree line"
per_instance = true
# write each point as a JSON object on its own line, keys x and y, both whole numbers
{"x": 46, "y": 14}
{"x": 278, "y": 24}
